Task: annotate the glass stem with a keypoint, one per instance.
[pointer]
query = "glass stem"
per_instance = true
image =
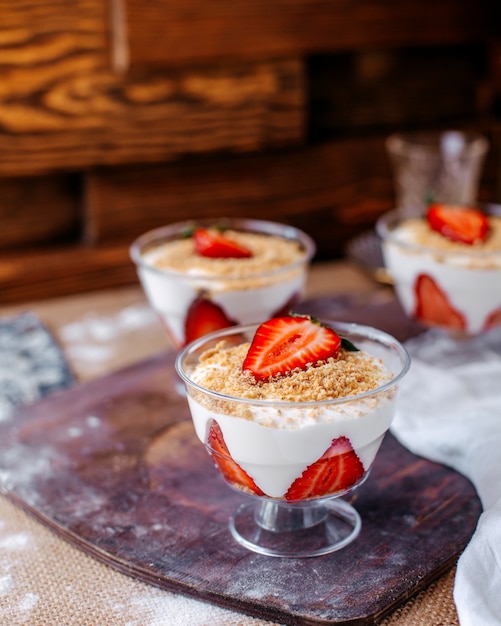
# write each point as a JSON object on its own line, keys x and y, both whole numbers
{"x": 278, "y": 517}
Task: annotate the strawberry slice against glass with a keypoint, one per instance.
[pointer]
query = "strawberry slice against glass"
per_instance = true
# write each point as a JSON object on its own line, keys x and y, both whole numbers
{"x": 283, "y": 344}
{"x": 433, "y": 306}
{"x": 338, "y": 469}
{"x": 215, "y": 244}
{"x": 203, "y": 317}
{"x": 230, "y": 469}
{"x": 458, "y": 223}
{"x": 493, "y": 319}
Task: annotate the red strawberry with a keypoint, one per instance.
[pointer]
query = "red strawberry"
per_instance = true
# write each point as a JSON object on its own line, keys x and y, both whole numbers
{"x": 214, "y": 244}
{"x": 338, "y": 469}
{"x": 203, "y": 317}
{"x": 457, "y": 223}
{"x": 285, "y": 343}
{"x": 227, "y": 466}
{"x": 433, "y": 306}
{"x": 493, "y": 319}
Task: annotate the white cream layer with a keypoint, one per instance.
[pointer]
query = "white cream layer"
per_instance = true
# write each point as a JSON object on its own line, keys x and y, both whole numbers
{"x": 171, "y": 296}
{"x": 275, "y": 456}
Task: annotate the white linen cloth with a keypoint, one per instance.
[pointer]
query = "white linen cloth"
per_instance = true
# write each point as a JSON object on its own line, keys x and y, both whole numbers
{"x": 449, "y": 411}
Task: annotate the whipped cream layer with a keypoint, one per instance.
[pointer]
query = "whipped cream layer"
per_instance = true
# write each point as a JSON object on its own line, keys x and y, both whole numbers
{"x": 275, "y": 456}
{"x": 470, "y": 276}
{"x": 171, "y": 296}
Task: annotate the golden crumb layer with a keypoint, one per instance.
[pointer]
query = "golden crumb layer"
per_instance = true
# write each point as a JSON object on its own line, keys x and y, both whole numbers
{"x": 351, "y": 373}
{"x": 418, "y": 231}
{"x": 269, "y": 252}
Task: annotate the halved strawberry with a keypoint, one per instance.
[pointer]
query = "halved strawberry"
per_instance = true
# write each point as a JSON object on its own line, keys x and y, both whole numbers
{"x": 203, "y": 317}
{"x": 283, "y": 344}
{"x": 230, "y": 469}
{"x": 338, "y": 469}
{"x": 214, "y": 244}
{"x": 493, "y": 319}
{"x": 458, "y": 223}
{"x": 433, "y": 306}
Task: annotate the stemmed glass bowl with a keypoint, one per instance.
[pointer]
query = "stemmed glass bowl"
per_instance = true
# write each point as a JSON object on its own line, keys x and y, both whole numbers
{"x": 261, "y": 448}
{"x": 453, "y": 287}
{"x": 233, "y": 291}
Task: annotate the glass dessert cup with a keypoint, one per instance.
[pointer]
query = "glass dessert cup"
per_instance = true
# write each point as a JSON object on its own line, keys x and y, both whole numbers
{"x": 438, "y": 166}
{"x": 262, "y": 448}
{"x": 454, "y": 290}
{"x": 238, "y": 297}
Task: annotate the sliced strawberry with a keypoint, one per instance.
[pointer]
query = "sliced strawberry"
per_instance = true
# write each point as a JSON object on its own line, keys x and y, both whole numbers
{"x": 493, "y": 319}
{"x": 338, "y": 469}
{"x": 203, "y": 317}
{"x": 433, "y": 307}
{"x": 283, "y": 344}
{"x": 214, "y": 244}
{"x": 457, "y": 223}
{"x": 230, "y": 469}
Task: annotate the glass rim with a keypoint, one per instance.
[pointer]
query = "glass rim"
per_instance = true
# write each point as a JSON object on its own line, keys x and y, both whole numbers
{"x": 264, "y": 227}
{"x": 343, "y": 328}
{"x": 385, "y": 233}
{"x": 424, "y": 143}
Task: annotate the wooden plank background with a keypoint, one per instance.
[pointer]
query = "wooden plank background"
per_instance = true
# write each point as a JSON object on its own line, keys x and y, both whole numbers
{"x": 120, "y": 115}
{"x": 312, "y": 188}
{"x": 165, "y": 31}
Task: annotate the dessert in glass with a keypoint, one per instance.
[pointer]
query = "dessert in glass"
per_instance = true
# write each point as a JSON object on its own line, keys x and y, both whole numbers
{"x": 293, "y": 412}
{"x": 446, "y": 266}
{"x": 204, "y": 275}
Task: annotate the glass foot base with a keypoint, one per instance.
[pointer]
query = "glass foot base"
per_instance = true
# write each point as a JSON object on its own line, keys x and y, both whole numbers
{"x": 295, "y": 531}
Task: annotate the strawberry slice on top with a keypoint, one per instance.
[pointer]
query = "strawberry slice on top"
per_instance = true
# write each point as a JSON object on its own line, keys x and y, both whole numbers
{"x": 215, "y": 244}
{"x": 458, "y": 223}
{"x": 283, "y": 344}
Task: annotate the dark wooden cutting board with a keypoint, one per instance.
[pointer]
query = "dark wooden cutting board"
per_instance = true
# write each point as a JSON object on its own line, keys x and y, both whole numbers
{"x": 113, "y": 466}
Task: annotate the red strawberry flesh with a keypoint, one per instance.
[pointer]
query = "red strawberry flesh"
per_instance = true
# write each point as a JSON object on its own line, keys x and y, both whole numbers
{"x": 283, "y": 344}
{"x": 214, "y": 244}
{"x": 336, "y": 471}
{"x": 230, "y": 469}
{"x": 457, "y": 223}
{"x": 433, "y": 306}
{"x": 493, "y": 319}
{"x": 203, "y": 317}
